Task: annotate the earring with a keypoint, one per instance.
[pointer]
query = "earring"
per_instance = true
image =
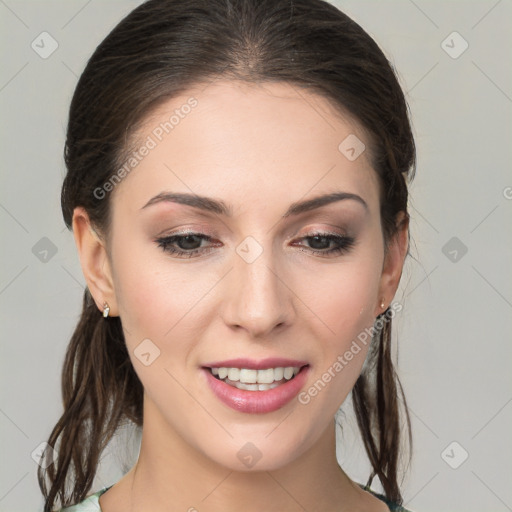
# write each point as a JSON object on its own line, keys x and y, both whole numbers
{"x": 382, "y": 304}
{"x": 106, "y": 310}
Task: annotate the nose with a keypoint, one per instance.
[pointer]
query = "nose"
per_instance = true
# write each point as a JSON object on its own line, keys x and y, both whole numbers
{"x": 257, "y": 298}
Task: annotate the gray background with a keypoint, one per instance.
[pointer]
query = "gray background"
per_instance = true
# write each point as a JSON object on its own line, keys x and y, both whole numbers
{"x": 454, "y": 332}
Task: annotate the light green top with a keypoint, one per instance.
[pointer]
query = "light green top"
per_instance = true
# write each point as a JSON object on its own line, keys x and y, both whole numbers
{"x": 92, "y": 504}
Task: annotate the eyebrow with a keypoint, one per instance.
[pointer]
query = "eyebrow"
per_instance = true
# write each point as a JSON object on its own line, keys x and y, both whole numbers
{"x": 219, "y": 207}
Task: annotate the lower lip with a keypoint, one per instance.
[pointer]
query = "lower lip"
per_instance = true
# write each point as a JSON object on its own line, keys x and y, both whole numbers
{"x": 257, "y": 402}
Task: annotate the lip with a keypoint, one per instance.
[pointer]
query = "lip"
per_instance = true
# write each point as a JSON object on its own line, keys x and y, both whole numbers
{"x": 252, "y": 364}
{"x": 256, "y": 402}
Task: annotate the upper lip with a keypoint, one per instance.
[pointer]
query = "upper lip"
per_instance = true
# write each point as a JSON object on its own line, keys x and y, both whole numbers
{"x": 253, "y": 364}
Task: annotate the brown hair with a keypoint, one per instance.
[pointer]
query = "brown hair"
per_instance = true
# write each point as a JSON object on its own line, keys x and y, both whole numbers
{"x": 158, "y": 51}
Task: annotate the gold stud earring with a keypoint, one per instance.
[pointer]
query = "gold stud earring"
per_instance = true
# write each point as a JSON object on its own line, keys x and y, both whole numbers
{"x": 382, "y": 304}
{"x": 106, "y": 309}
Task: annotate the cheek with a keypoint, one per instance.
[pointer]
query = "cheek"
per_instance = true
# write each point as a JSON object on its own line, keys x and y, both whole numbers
{"x": 158, "y": 308}
{"x": 148, "y": 301}
{"x": 349, "y": 314}
{"x": 343, "y": 300}
{"x": 153, "y": 309}
{"x": 162, "y": 302}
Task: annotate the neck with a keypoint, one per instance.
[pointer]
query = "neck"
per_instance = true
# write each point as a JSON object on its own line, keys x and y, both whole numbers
{"x": 172, "y": 475}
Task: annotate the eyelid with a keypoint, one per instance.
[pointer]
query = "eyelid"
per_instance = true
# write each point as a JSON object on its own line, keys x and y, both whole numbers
{"x": 210, "y": 236}
{"x": 206, "y": 231}
{"x": 195, "y": 230}
{"x": 320, "y": 231}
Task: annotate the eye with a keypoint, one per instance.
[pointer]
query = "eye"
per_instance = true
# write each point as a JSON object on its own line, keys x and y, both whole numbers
{"x": 320, "y": 243}
{"x": 188, "y": 244}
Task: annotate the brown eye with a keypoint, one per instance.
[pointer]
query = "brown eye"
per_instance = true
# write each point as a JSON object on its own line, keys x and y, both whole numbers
{"x": 328, "y": 243}
{"x": 187, "y": 245}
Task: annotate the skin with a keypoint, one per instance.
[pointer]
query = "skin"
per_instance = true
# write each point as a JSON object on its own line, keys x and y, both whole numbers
{"x": 258, "y": 148}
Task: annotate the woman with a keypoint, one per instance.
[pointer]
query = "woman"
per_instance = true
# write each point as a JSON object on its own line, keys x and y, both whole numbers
{"x": 237, "y": 189}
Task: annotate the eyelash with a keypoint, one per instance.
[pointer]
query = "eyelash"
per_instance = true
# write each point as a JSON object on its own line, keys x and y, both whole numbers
{"x": 345, "y": 243}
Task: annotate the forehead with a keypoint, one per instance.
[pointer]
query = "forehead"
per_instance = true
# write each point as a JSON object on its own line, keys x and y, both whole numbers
{"x": 247, "y": 141}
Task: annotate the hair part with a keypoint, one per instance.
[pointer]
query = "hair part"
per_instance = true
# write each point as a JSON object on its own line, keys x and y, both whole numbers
{"x": 161, "y": 49}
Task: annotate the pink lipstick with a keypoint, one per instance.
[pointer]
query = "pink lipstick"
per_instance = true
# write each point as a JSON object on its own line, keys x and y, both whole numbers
{"x": 256, "y": 387}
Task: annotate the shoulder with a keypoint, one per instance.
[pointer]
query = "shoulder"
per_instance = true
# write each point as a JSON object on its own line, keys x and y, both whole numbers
{"x": 89, "y": 504}
{"x": 393, "y": 507}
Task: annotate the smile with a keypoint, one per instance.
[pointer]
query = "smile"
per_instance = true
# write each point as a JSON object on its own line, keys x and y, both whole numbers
{"x": 256, "y": 387}
{"x": 255, "y": 380}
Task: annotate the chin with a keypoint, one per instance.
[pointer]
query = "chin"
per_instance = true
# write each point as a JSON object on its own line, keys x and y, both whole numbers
{"x": 258, "y": 453}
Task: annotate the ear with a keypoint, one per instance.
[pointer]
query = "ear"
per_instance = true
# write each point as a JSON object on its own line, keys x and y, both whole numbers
{"x": 394, "y": 259}
{"x": 94, "y": 261}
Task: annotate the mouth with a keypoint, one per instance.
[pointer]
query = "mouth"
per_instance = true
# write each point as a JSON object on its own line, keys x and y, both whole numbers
{"x": 255, "y": 380}
{"x": 256, "y": 387}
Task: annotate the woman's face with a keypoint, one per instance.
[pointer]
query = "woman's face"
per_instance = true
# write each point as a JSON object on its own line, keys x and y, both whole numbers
{"x": 251, "y": 287}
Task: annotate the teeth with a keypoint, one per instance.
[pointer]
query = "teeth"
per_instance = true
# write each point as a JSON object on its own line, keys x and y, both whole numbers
{"x": 252, "y": 379}
{"x": 255, "y": 387}
{"x": 248, "y": 376}
{"x": 278, "y": 373}
{"x": 288, "y": 373}
{"x": 266, "y": 376}
{"x": 234, "y": 374}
